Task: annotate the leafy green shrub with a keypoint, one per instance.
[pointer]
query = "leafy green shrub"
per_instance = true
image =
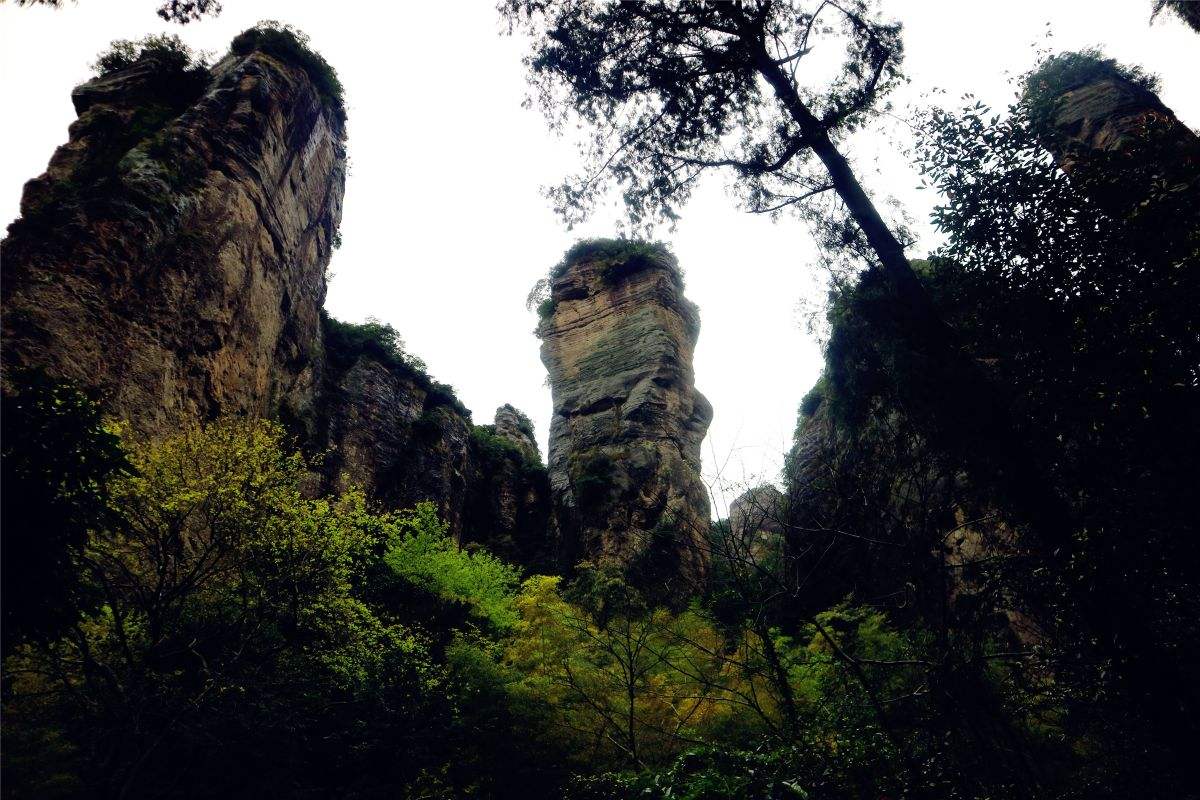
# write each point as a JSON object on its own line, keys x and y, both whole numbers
{"x": 442, "y": 394}
{"x": 813, "y": 399}
{"x": 346, "y": 341}
{"x": 546, "y": 308}
{"x": 58, "y": 461}
{"x": 627, "y": 256}
{"x": 421, "y": 552}
{"x": 231, "y": 601}
{"x": 169, "y": 50}
{"x": 290, "y": 44}
{"x": 494, "y": 448}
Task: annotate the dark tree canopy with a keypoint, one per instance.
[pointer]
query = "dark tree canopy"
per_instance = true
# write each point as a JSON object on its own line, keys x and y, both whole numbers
{"x": 57, "y": 461}
{"x": 181, "y": 11}
{"x": 1186, "y": 10}
{"x": 672, "y": 90}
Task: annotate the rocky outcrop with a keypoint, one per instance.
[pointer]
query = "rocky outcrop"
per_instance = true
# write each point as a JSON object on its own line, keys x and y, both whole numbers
{"x": 758, "y": 522}
{"x": 385, "y": 426}
{"x": 517, "y": 428}
{"x": 1107, "y": 128}
{"x": 509, "y": 507}
{"x": 173, "y": 258}
{"x": 173, "y": 254}
{"x": 617, "y": 339}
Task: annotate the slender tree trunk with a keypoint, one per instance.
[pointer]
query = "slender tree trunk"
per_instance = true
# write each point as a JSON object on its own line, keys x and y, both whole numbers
{"x": 982, "y": 433}
{"x": 782, "y": 680}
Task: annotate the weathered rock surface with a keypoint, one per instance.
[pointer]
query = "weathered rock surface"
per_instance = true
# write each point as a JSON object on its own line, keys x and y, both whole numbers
{"x": 758, "y": 522}
{"x": 173, "y": 257}
{"x": 628, "y": 422}
{"x": 509, "y": 505}
{"x": 389, "y": 429}
{"x": 515, "y": 426}
{"x": 1122, "y": 143}
{"x": 173, "y": 254}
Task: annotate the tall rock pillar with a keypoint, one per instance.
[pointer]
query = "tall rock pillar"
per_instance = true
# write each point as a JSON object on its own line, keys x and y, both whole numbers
{"x": 617, "y": 339}
{"x": 173, "y": 255}
{"x": 1107, "y": 128}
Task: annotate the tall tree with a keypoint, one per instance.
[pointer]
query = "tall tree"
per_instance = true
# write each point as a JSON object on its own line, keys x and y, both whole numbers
{"x": 672, "y": 90}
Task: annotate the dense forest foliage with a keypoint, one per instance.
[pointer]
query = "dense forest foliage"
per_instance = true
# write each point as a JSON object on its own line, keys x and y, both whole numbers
{"x": 948, "y": 606}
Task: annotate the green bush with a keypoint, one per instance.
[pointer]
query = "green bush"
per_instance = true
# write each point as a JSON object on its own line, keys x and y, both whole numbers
{"x": 813, "y": 399}
{"x": 494, "y": 448}
{"x": 290, "y": 44}
{"x": 58, "y": 460}
{"x": 422, "y": 553}
{"x": 168, "y": 50}
{"x": 345, "y": 342}
{"x": 627, "y": 256}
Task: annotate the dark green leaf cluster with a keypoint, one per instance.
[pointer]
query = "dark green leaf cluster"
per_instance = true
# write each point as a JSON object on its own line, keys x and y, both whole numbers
{"x": 168, "y": 50}
{"x": 58, "y": 460}
{"x": 1075, "y": 306}
{"x": 252, "y": 637}
{"x": 494, "y": 448}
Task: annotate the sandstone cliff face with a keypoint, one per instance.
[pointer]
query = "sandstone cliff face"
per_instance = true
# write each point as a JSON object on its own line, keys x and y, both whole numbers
{"x": 628, "y": 422}
{"x": 1121, "y": 143}
{"x": 758, "y": 523}
{"x": 173, "y": 254}
{"x": 509, "y": 505}
{"x": 390, "y": 430}
{"x": 173, "y": 257}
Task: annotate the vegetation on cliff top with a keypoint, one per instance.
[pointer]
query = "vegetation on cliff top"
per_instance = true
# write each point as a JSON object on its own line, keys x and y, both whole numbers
{"x": 628, "y": 255}
{"x": 345, "y": 342}
{"x": 168, "y": 50}
{"x": 277, "y": 39}
{"x": 1045, "y": 85}
{"x": 292, "y": 45}
{"x": 619, "y": 258}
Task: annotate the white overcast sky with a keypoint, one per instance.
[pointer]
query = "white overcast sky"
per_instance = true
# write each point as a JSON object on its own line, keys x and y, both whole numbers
{"x": 445, "y": 228}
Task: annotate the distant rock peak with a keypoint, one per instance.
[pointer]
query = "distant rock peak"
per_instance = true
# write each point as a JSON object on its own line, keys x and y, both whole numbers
{"x": 628, "y": 422}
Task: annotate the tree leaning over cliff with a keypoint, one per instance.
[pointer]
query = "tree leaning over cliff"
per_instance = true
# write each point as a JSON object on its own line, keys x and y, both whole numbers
{"x": 672, "y": 90}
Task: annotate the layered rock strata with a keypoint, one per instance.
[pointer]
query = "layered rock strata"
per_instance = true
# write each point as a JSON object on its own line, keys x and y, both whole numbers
{"x": 173, "y": 254}
{"x": 617, "y": 339}
{"x": 385, "y": 426}
{"x": 173, "y": 259}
